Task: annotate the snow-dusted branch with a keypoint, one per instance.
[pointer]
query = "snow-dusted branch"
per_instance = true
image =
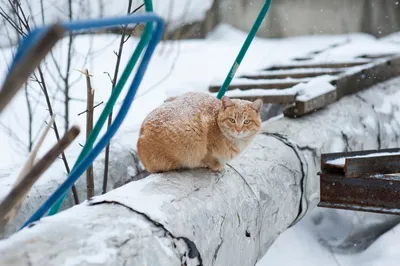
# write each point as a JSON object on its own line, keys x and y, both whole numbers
{"x": 203, "y": 218}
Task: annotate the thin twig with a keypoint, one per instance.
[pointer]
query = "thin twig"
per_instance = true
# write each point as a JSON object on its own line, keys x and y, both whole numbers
{"x": 30, "y": 117}
{"x": 22, "y": 188}
{"x": 26, "y": 65}
{"x": 12, "y": 23}
{"x": 31, "y": 159}
{"x": 14, "y": 136}
{"x": 94, "y": 107}
{"x": 43, "y": 86}
{"x": 68, "y": 68}
{"x": 109, "y": 76}
{"x": 114, "y": 81}
{"x": 89, "y": 127}
{"x": 50, "y": 108}
{"x": 136, "y": 9}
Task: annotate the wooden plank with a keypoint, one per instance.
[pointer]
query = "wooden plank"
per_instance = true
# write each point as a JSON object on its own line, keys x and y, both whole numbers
{"x": 306, "y": 58}
{"x": 319, "y": 65}
{"x": 266, "y": 85}
{"x": 304, "y": 107}
{"x": 295, "y": 75}
{"x": 279, "y": 99}
{"x": 348, "y": 83}
{"x": 351, "y": 83}
{"x": 375, "y": 56}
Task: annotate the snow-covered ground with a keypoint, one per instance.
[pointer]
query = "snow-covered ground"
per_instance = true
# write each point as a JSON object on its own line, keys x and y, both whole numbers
{"x": 176, "y": 13}
{"x": 178, "y": 67}
{"x": 300, "y": 246}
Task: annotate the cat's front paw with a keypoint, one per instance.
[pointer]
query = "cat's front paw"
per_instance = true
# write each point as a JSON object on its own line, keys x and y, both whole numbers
{"x": 217, "y": 168}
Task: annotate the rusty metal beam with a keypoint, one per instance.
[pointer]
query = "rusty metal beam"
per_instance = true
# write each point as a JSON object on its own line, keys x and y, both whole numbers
{"x": 369, "y": 184}
{"x": 371, "y": 195}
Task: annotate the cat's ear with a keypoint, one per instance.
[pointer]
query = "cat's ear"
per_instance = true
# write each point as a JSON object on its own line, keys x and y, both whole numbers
{"x": 226, "y": 102}
{"x": 257, "y": 105}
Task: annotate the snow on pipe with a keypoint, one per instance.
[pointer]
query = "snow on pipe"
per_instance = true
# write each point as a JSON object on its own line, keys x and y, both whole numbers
{"x": 204, "y": 218}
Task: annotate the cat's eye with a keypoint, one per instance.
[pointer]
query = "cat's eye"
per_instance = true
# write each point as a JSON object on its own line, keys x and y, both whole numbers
{"x": 232, "y": 120}
{"x": 247, "y": 122}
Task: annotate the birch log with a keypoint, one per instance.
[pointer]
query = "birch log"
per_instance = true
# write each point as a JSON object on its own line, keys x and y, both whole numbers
{"x": 203, "y": 218}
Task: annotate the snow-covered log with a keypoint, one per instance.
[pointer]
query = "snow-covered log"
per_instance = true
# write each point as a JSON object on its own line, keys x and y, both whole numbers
{"x": 203, "y": 218}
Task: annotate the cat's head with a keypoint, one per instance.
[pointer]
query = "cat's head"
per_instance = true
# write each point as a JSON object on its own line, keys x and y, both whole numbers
{"x": 239, "y": 119}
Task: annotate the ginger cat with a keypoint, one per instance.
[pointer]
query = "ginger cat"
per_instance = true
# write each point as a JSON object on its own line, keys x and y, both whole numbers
{"x": 197, "y": 130}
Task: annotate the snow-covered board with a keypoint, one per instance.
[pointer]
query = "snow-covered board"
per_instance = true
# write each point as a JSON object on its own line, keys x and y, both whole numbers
{"x": 312, "y": 84}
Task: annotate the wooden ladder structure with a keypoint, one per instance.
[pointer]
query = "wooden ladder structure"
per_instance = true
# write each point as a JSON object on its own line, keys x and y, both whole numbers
{"x": 306, "y": 85}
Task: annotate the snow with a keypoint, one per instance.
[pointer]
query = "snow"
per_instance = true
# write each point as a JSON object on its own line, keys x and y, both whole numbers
{"x": 124, "y": 195}
{"x": 176, "y": 68}
{"x": 239, "y": 81}
{"x": 369, "y": 122}
{"x": 292, "y": 71}
{"x": 175, "y": 13}
{"x": 316, "y": 87}
{"x": 305, "y": 90}
{"x": 258, "y": 92}
{"x": 302, "y": 248}
{"x": 341, "y": 161}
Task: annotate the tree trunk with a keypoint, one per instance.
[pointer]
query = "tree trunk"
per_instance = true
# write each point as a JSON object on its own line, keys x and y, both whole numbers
{"x": 202, "y": 218}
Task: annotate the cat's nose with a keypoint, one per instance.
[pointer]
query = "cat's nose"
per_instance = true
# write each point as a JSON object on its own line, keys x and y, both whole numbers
{"x": 238, "y": 130}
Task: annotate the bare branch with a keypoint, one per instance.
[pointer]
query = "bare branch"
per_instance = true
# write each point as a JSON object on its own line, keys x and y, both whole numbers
{"x": 30, "y": 117}
{"x": 130, "y": 33}
{"x": 42, "y": 84}
{"x": 89, "y": 127}
{"x": 114, "y": 81}
{"x": 94, "y": 107}
{"x": 67, "y": 71}
{"x": 50, "y": 109}
{"x": 109, "y": 76}
{"x": 136, "y": 9}
{"x": 15, "y": 197}
{"x": 12, "y": 23}
{"x": 5, "y": 219}
{"x": 28, "y": 64}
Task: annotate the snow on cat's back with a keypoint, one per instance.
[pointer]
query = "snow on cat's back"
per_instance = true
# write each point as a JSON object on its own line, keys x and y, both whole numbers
{"x": 185, "y": 132}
